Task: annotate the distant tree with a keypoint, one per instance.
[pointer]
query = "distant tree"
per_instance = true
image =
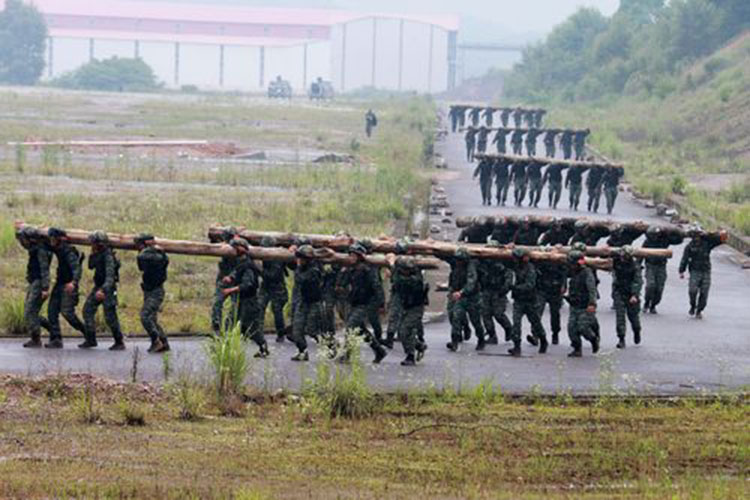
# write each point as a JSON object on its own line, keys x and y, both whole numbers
{"x": 23, "y": 35}
{"x": 735, "y": 17}
{"x": 693, "y": 28}
{"x": 113, "y": 74}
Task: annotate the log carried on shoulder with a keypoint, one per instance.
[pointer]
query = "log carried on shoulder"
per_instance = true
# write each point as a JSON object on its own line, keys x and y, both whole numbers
{"x": 126, "y": 242}
{"x": 547, "y": 222}
{"x": 545, "y": 161}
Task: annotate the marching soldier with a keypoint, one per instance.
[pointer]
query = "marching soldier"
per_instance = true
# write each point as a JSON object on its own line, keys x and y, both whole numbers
{"x": 37, "y": 278}
{"x": 484, "y": 171}
{"x": 530, "y": 118}
{"x": 273, "y": 290}
{"x": 501, "y": 171}
{"x": 471, "y": 141}
{"x": 495, "y": 280}
{"x": 696, "y": 258}
{"x": 549, "y": 142}
{"x": 500, "y": 140}
{"x": 474, "y": 115}
{"x": 520, "y": 181}
{"x": 656, "y": 267}
{"x": 538, "y": 116}
{"x": 611, "y": 181}
{"x": 517, "y": 117}
{"x": 516, "y": 141}
{"x": 409, "y": 286}
{"x": 504, "y": 115}
{"x": 226, "y": 267}
{"x": 536, "y": 182}
{"x": 527, "y": 233}
{"x": 531, "y": 137}
{"x": 396, "y": 303}
{"x": 554, "y": 179}
{"x": 594, "y": 187}
{"x": 453, "y": 114}
{"x": 582, "y": 299}
{"x": 504, "y": 232}
{"x": 309, "y": 314}
{"x": 64, "y": 297}
{"x": 574, "y": 183}
{"x": 488, "y": 112}
{"x": 482, "y": 139}
{"x": 558, "y": 233}
{"x": 566, "y": 142}
{"x": 463, "y": 298}
{"x": 153, "y": 263}
{"x": 579, "y": 139}
{"x": 525, "y": 303}
{"x": 627, "y": 281}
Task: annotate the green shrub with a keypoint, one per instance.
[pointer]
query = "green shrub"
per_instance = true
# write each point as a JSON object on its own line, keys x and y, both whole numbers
{"x": 228, "y": 357}
{"x": 190, "y": 399}
{"x": 85, "y": 406}
{"x": 679, "y": 185}
{"x": 11, "y": 316}
{"x": 132, "y": 412}
{"x": 113, "y": 74}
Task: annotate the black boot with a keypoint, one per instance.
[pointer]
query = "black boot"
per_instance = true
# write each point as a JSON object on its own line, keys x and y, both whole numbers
{"x": 388, "y": 343}
{"x": 119, "y": 345}
{"x": 637, "y": 337}
{"x": 594, "y": 344}
{"x": 421, "y": 348}
{"x": 481, "y": 344}
{"x": 532, "y": 340}
{"x": 492, "y": 339}
{"x": 54, "y": 344}
{"x": 409, "y": 361}
{"x": 302, "y": 356}
{"x": 555, "y": 338}
{"x": 87, "y": 344}
{"x": 575, "y": 353}
{"x": 262, "y": 352}
{"x": 516, "y": 350}
{"x": 452, "y": 346}
{"x": 543, "y": 344}
{"x": 33, "y": 344}
{"x": 280, "y": 338}
{"x": 380, "y": 353}
{"x": 621, "y": 343}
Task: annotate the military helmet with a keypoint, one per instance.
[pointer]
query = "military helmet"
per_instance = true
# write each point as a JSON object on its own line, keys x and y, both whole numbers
{"x": 240, "y": 243}
{"x": 142, "y": 238}
{"x": 28, "y": 233}
{"x": 305, "y": 252}
{"x": 575, "y": 256}
{"x": 579, "y": 246}
{"x": 520, "y": 253}
{"x": 653, "y": 231}
{"x": 268, "y": 242}
{"x": 367, "y": 244}
{"x": 229, "y": 233}
{"x": 462, "y": 253}
{"x": 402, "y": 247}
{"x": 301, "y": 241}
{"x": 581, "y": 224}
{"x": 695, "y": 230}
{"x": 99, "y": 238}
{"x": 406, "y": 263}
{"x": 358, "y": 249}
{"x": 55, "y": 232}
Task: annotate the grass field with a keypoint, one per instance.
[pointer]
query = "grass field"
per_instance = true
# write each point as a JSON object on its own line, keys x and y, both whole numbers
{"x": 81, "y": 437}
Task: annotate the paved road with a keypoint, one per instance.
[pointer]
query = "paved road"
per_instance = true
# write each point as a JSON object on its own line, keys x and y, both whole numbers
{"x": 678, "y": 354}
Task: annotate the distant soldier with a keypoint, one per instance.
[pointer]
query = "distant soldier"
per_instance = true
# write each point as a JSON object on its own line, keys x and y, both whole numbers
{"x": 526, "y": 302}
{"x": 453, "y": 114}
{"x": 656, "y": 267}
{"x": 579, "y": 141}
{"x": 273, "y": 290}
{"x": 463, "y": 298}
{"x": 244, "y": 282}
{"x": 64, "y": 296}
{"x": 611, "y": 182}
{"x": 627, "y": 281}
{"x": 362, "y": 282}
{"x": 500, "y": 140}
{"x": 226, "y": 267}
{"x": 531, "y": 137}
{"x": 103, "y": 261}
{"x": 549, "y": 142}
{"x": 566, "y": 143}
{"x": 554, "y": 179}
{"x": 37, "y": 278}
{"x": 371, "y": 121}
{"x": 495, "y": 280}
{"x": 504, "y": 115}
{"x": 527, "y": 233}
{"x": 594, "y": 187}
{"x": 574, "y": 183}
{"x": 538, "y": 117}
{"x": 488, "y": 118}
{"x": 409, "y": 285}
{"x": 298, "y": 243}
{"x": 461, "y": 113}
{"x": 501, "y": 171}
{"x": 152, "y": 263}
{"x": 516, "y": 141}
{"x": 696, "y": 258}
{"x": 308, "y": 318}
{"x": 520, "y": 181}
{"x": 474, "y": 115}
{"x": 517, "y": 117}
{"x": 484, "y": 171}
{"x": 471, "y": 141}
{"x": 529, "y": 116}
{"x": 536, "y": 182}
{"x": 482, "y": 139}
{"x": 582, "y": 297}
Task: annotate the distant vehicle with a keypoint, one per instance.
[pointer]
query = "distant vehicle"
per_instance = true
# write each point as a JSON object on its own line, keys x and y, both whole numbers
{"x": 280, "y": 89}
{"x": 321, "y": 90}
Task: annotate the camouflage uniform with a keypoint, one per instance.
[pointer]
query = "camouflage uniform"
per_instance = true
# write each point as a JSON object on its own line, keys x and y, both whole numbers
{"x": 536, "y": 183}
{"x": 453, "y": 113}
{"x": 362, "y": 282}
{"x": 505, "y": 232}
{"x": 273, "y": 291}
{"x": 520, "y": 181}
{"x": 554, "y": 179}
{"x": 580, "y": 143}
{"x": 482, "y": 139}
{"x": 574, "y": 183}
{"x": 331, "y": 274}
{"x": 464, "y": 279}
{"x": 566, "y": 142}
{"x": 409, "y": 286}
{"x": 484, "y": 171}
{"x": 527, "y": 234}
{"x": 474, "y": 115}
{"x": 656, "y": 267}
{"x": 517, "y": 117}
{"x": 549, "y": 143}
{"x": 697, "y": 259}
{"x": 69, "y": 270}
{"x": 500, "y": 140}
{"x": 504, "y": 115}
{"x": 611, "y": 181}
{"x": 502, "y": 180}
{"x": 550, "y": 284}
{"x": 495, "y": 281}
{"x": 488, "y": 116}
{"x": 106, "y": 276}
{"x": 594, "y": 188}
{"x": 246, "y": 276}
{"x": 581, "y": 296}
{"x": 153, "y": 263}
{"x": 516, "y": 141}
{"x": 226, "y": 267}
{"x": 627, "y": 282}
{"x": 37, "y": 277}
{"x": 308, "y": 318}
{"x": 531, "y": 137}
{"x": 471, "y": 141}
{"x": 538, "y": 116}
{"x": 526, "y": 303}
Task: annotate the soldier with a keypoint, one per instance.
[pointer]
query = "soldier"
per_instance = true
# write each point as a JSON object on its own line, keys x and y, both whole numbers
{"x": 309, "y": 314}
{"x": 517, "y": 117}
{"x": 37, "y": 277}
{"x": 477, "y": 233}
{"x": 395, "y": 304}
{"x": 566, "y": 142}
{"x": 244, "y": 282}
{"x": 409, "y": 286}
{"x": 106, "y": 266}
{"x": 697, "y": 259}
{"x": 471, "y": 141}
{"x": 656, "y": 267}
{"x": 64, "y": 296}
{"x": 474, "y": 115}
{"x": 362, "y": 282}
{"x": 463, "y": 298}
{"x": 331, "y": 273}
{"x": 516, "y": 141}
{"x": 525, "y": 302}
{"x": 574, "y": 183}
{"x": 453, "y": 114}
{"x": 531, "y": 139}
{"x": 579, "y": 139}
{"x": 484, "y": 171}
{"x": 501, "y": 171}
{"x": 520, "y": 181}
{"x": 500, "y": 140}
{"x": 550, "y": 288}
{"x": 536, "y": 182}
{"x": 611, "y": 181}
{"x": 627, "y": 281}
{"x": 558, "y": 233}
{"x": 553, "y": 177}
{"x": 594, "y": 187}
{"x": 549, "y": 142}
{"x": 461, "y": 116}
{"x": 582, "y": 299}
{"x": 504, "y": 115}
{"x": 298, "y": 242}
{"x": 589, "y": 234}
{"x": 538, "y": 116}
{"x": 495, "y": 282}
{"x": 377, "y": 305}
{"x": 371, "y": 121}
{"x": 482, "y": 139}
{"x": 527, "y": 233}
{"x": 530, "y": 118}
{"x": 226, "y": 267}
{"x": 488, "y": 112}
{"x": 625, "y": 234}
{"x": 273, "y": 290}
{"x": 153, "y": 263}
{"x": 504, "y": 232}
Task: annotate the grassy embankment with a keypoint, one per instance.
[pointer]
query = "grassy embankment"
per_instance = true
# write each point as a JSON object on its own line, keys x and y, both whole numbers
{"x": 178, "y": 199}
{"x": 672, "y": 144}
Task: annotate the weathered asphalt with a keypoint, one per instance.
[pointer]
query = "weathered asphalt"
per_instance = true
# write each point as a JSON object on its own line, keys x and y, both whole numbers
{"x": 678, "y": 355}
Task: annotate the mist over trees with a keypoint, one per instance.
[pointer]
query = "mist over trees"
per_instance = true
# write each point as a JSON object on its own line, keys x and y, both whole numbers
{"x": 637, "y": 50}
{"x": 23, "y": 35}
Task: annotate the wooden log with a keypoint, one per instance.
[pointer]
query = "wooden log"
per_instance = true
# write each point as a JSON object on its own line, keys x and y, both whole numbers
{"x": 126, "y": 242}
{"x": 546, "y": 161}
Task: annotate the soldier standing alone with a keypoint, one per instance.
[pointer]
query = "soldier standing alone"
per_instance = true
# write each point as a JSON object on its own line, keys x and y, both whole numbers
{"x": 697, "y": 259}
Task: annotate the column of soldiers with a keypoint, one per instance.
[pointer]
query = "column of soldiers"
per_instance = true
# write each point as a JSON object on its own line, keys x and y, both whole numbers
{"x": 529, "y": 176}
{"x": 478, "y": 288}
{"x": 460, "y": 113}
{"x": 572, "y": 142}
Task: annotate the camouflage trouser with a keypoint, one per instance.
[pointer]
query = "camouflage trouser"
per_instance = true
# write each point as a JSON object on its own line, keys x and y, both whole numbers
{"x": 295, "y": 299}
{"x": 519, "y": 190}
{"x": 65, "y": 303}
{"x": 458, "y": 313}
{"x": 501, "y": 186}
{"x": 329, "y": 312}
{"x": 482, "y": 146}
{"x": 373, "y": 317}
{"x": 251, "y": 321}
{"x": 485, "y": 186}
{"x": 470, "y": 152}
{"x": 152, "y": 301}
{"x": 307, "y": 320}
{"x": 581, "y": 324}
{"x": 535, "y": 191}
{"x": 623, "y": 309}
{"x": 580, "y": 151}
{"x": 555, "y": 191}
{"x": 395, "y": 316}
{"x": 32, "y": 308}
{"x": 517, "y": 148}
{"x": 610, "y": 193}
{"x": 567, "y": 151}
{"x": 575, "y": 194}
{"x": 555, "y": 300}
{"x": 656, "y": 277}
{"x": 551, "y": 149}
{"x": 410, "y": 328}
{"x": 531, "y": 148}
{"x": 493, "y": 309}
{"x": 698, "y": 287}
{"x": 595, "y": 195}
{"x": 277, "y": 297}
{"x": 217, "y": 310}
{"x": 110, "y": 315}
{"x": 531, "y": 311}
{"x": 357, "y": 322}
{"x": 501, "y": 147}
